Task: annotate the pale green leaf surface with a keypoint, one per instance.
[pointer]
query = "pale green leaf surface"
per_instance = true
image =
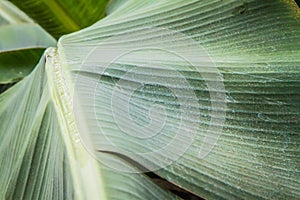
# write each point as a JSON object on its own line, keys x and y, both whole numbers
{"x": 256, "y": 47}
{"x": 113, "y": 5}
{"x": 257, "y": 154}
{"x": 34, "y": 159}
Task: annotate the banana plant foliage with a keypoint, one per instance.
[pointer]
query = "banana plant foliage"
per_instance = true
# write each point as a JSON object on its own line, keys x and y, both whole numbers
{"x": 21, "y": 45}
{"x": 206, "y": 94}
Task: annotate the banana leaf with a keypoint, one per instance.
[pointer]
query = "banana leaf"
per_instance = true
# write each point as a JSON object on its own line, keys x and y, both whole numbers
{"x": 62, "y": 17}
{"x": 204, "y": 94}
{"x": 21, "y": 39}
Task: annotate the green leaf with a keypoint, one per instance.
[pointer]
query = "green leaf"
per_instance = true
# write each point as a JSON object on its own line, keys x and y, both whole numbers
{"x": 40, "y": 165}
{"x": 19, "y": 32}
{"x": 255, "y": 47}
{"x": 206, "y": 94}
{"x": 16, "y": 65}
{"x": 62, "y": 17}
{"x": 113, "y": 5}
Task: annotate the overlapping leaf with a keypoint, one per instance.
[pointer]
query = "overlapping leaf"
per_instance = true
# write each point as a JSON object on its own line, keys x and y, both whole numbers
{"x": 256, "y": 47}
{"x": 74, "y": 109}
{"x": 62, "y": 17}
{"x": 19, "y": 32}
{"x": 34, "y": 161}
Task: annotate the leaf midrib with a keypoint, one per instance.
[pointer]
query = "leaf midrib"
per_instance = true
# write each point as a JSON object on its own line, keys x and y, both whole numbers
{"x": 86, "y": 172}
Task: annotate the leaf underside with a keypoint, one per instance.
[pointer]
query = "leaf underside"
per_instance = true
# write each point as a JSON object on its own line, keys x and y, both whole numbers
{"x": 255, "y": 47}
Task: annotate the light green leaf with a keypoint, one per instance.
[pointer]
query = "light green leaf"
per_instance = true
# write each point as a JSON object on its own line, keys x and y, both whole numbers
{"x": 113, "y": 5}
{"x": 37, "y": 164}
{"x": 19, "y": 31}
{"x": 206, "y": 94}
